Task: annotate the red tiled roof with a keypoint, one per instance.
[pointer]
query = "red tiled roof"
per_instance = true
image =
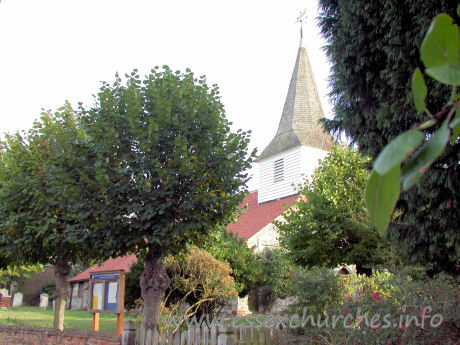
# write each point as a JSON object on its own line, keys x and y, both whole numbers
{"x": 257, "y": 216}
{"x": 120, "y": 263}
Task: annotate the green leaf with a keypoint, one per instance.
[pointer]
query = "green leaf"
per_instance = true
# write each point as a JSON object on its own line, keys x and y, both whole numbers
{"x": 440, "y": 50}
{"x": 397, "y": 150}
{"x": 419, "y": 90}
{"x": 382, "y": 193}
{"x": 441, "y": 44}
{"x": 458, "y": 10}
{"x": 447, "y": 73}
{"x": 416, "y": 167}
{"x": 455, "y": 125}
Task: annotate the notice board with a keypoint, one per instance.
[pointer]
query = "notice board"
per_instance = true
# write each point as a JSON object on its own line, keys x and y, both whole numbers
{"x": 107, "y": 292}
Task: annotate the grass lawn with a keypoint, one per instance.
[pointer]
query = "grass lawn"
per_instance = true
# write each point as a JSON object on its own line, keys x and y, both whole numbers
{"x": 77, "y": 319}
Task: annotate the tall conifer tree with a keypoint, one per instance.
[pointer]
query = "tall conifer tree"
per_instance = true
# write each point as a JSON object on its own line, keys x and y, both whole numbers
{"x": 374, "y": 49}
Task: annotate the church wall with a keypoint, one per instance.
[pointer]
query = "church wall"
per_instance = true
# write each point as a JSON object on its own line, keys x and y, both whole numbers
{"x": 270, "y": 190}
{"x": 267, "y": 237}
{"x": 309, "y": 159}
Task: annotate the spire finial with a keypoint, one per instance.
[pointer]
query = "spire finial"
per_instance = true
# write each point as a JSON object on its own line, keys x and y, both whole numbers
{"x": 300, "y": 19}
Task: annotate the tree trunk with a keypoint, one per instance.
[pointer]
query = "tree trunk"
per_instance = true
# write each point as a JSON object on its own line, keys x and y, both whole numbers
{"x": 61, "y": 295}
{"x": 153, "y": 282}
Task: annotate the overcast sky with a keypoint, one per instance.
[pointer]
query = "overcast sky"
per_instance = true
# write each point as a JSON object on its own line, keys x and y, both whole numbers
{"x": 57, "y": 50}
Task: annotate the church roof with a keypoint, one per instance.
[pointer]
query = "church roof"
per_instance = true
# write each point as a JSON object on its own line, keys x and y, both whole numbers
{"x": 299, "y": 124}
{"x": 257, "y": 216}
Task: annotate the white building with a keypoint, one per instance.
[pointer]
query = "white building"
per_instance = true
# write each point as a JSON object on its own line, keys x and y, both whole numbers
{"x": 293, "y": 153}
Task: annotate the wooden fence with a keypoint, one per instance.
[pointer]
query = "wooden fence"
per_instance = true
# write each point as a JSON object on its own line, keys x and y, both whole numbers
{"x": 204, "y": 335}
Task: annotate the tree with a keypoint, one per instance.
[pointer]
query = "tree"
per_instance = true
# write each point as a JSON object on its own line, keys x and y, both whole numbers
{"x": 175, "y": 169}
{"x": 329, "y": 226}
{"x": 374, "y": 49}
{"x": 247, "y": 271}
{"x": 46, "y": 192}
{"x": 16, "y": 273}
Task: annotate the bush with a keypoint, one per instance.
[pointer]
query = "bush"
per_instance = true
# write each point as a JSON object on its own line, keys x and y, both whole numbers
{"x": 200, "y": 284}
{"x": 279, "y": 275}
{"x": 382, "y": 309}
{"x": 317, "y": 290}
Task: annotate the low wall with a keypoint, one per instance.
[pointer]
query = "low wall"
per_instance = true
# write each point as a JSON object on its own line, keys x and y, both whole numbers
{"x": 5, "y": 302}
{"x": 13, "y": 335}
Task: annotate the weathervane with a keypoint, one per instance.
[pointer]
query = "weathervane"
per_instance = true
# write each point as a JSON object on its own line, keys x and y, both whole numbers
{"x": 301, "y": 19}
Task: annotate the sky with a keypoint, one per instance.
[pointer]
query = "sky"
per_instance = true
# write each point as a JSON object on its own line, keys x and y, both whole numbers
{"x": 54, "y": 50}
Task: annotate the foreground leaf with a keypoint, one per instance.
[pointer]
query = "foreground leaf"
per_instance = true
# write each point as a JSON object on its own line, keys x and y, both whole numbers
{"x": 440, "y": 45}
{"x": 382, "y": 193}
{"x": 419, "y": 90}
{"x": 416, "y": 167}
{"x": 447, "y": 73}
{"x": 397, "y": 150}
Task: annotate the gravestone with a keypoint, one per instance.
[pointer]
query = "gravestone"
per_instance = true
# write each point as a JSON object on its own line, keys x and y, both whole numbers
{"x": 4, "y": 292}
{"x": 17, "y": 299}
{"x": 43, "y": 301}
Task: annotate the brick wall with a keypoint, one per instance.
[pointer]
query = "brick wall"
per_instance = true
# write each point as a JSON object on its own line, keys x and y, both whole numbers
{"x": 13, "y": 335}
{"x": 5, "y": 302}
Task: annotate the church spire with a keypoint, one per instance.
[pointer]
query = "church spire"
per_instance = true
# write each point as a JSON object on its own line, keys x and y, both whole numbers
{"x": 300, "y": 121}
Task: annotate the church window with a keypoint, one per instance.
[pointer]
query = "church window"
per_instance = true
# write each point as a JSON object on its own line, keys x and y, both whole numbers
{"x": 278, "y": 170}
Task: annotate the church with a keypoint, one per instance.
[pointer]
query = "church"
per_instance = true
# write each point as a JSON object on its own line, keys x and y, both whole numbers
{"x": 293, "y": 153}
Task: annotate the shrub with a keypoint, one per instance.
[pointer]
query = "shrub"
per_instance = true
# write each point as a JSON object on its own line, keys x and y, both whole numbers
{"x": 382, "y": 309}
{"x": 279, "y": 274}
{"x": 317, "y": 289}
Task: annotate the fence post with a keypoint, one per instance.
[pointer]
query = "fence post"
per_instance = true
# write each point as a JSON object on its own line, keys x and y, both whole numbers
{"x": 129, "y": 333}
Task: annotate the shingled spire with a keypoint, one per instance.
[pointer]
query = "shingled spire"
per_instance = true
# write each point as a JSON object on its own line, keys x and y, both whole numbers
{"x": 299, "y": 124}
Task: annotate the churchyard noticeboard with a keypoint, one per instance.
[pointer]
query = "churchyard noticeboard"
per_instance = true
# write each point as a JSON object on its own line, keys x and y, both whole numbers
{"x": 107, "y": 292}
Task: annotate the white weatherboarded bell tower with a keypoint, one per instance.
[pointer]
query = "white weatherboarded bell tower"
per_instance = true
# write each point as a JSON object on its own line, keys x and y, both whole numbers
{"x": 300, "y": 140}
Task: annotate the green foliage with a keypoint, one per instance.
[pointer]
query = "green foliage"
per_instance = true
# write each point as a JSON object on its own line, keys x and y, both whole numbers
{"x": 200, "y": 278}
{"x": 371, "y": 82}
{"x": 440, "y": 54}
{"x": 45, "y": 200}
{"x": 279, "y": 272}
{"x": 173, "y": 169}
{"x": 277, "y": 281}
{"x": 396, "y": 307}
{"x": 166, "y": 150}
{"x": 440, "y": 51}
{"x": 247, "y": 271}
{"x": 329, "y": 226}
{"x": 317, "y": 290}
{"x": 18, "y": 272}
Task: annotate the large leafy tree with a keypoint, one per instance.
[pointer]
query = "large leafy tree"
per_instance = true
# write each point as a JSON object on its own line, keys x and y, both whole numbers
{"x": 329, "y": 225}
{"x": 374, "y": 49}
{"x": 175, "y": 169}
{"x": 46, "y": 198}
